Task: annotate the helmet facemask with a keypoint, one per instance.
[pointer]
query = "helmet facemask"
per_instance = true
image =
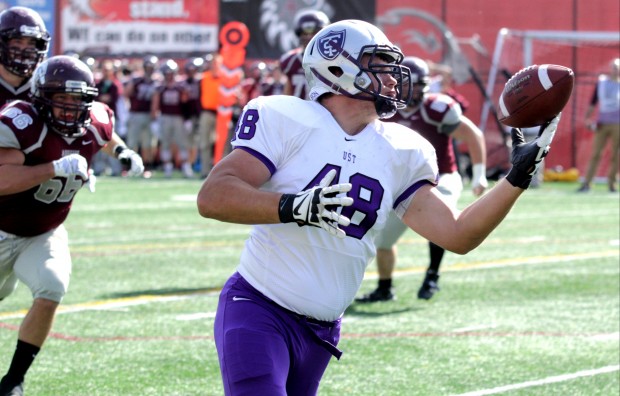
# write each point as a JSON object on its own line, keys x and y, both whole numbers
{"x": 73, "y": 119}
{"x": 383, "y": 61}
{"x": 22, "y": 62}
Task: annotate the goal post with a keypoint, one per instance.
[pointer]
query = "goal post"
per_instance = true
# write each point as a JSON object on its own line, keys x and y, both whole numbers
{"x": 586, "y": 52}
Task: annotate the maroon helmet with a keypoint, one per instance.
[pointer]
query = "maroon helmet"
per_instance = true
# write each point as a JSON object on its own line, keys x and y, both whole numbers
{"x": 149, "y": 63}
{"x": 64, "y": 74}
{"x": 169, "y": 67}
{"x": 419, "y": 78}
{"x": 310, "y": 21}
{"x": 19, "y": 22}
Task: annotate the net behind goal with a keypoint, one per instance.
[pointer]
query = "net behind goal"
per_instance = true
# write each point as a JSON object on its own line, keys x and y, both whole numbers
{"x": 588, "y": 53}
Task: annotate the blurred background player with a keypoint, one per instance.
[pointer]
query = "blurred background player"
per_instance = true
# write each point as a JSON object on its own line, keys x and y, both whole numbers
{"x": 275, "y": 81}
{"x": 438, "y": 118}
{"x": 191, "y": 110}
{"x": 209, "y": 102}
{"x": 110, "y": 91}
{"x": 254, "y": 83}
{"x": 139, "y": 92}
{"x": 607, "y": 126}
{"x": 24, "y": 42}
{"x": 167, "y": 106}
{"x": 307, "y": 23}
{"x": 45, "y": 150}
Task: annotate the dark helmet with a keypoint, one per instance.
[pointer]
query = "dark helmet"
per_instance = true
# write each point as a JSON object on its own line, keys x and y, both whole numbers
{"x": 18, "y": 22}
{"x": 64, "y": 74}
{"x": 310, "y": 21}
{"x": 150, "y": 62}
{"x": 194, "y": 64}
{"x": 169, "y": 67}
{"x": 419, "y": 78}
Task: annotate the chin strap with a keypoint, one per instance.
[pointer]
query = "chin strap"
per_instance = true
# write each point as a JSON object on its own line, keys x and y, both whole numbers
{"x": 385, "y": 108}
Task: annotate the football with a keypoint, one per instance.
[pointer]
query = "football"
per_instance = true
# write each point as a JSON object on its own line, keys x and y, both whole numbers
{"x": 534, "y": 95}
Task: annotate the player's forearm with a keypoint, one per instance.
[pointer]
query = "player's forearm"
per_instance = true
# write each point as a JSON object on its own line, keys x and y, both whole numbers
{"x": 231, "y": 200}
{"x": 481, "y": 217}
{"x": 17, "y": 178}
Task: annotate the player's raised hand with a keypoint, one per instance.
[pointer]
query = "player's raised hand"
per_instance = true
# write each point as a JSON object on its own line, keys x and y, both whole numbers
{"x": 527, "y": 157}
{"x": 72, "y": 164}
{"x": 318, "y": 206}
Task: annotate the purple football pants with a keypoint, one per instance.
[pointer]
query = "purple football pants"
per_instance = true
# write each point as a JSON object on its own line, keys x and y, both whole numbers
{"x": 265, "y": 349}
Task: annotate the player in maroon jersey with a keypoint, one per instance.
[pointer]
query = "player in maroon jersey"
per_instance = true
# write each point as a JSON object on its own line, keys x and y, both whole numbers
{"x": 24, "y": 41}
{"x": 141, "y": 134}
{"x": 45, "y": 149}
{"x": 307, "y": 24}
{"x": 169, "y": 99}
{"x": 438, "y": 118}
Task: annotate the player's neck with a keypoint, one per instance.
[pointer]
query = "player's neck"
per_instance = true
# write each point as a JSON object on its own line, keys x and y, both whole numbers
{"x": 353, "y": 115}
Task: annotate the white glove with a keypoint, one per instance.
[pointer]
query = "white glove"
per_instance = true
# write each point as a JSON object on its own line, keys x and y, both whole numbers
{"x": 310, "y": 207}
{"x": 131, "y": 158}
{"x": 479, "y": 181}
{"x": 92, "y": 180}
{"x": 69, "y": 165}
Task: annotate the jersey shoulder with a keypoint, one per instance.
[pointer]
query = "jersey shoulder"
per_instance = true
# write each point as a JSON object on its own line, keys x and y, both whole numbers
{"x": 290, "y": 58}
{"x": 20, "y": 119}
{"x": 284, "y": 117}
{"x": 442, "y": 110}
{"x": 401, "y": 137}
{"x": 291, "y": 109}
{"x": 102, "y": 119}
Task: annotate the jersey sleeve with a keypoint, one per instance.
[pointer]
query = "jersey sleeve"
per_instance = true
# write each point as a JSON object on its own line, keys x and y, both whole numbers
{"x": 7, "y": 137}
{"x": 416, "y": 164}
{"x": 259, "y": 133}
{"x": 102, "y": 118}
{"x": 443, "y": 112}
{"x": 19, "y": 126}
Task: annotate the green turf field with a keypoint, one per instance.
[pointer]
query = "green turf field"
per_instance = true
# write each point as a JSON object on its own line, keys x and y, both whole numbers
{"x": 533, "y": 311}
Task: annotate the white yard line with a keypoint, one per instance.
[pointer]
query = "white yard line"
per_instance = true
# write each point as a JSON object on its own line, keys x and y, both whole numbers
{"x": 115, "y": 304}
{"x": 145, "y": 299}
{"x": 505, "y": 263}
{"x": 544, "y": 381}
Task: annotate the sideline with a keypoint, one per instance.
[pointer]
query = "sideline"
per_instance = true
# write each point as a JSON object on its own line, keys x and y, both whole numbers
{"x": 544, "y": 381}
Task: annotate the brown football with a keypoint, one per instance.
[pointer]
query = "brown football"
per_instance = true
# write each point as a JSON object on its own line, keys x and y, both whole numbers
{"x": 534, "y": 95}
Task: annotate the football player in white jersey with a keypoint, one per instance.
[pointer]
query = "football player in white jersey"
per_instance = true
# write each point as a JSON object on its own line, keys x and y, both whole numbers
{"x": 318, "y": 179}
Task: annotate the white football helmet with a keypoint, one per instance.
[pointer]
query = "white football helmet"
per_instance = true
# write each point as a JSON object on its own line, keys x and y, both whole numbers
{"x": 333, "y": 64}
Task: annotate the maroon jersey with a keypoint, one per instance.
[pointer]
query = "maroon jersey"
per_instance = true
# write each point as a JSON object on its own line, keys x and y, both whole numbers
{"x": 170, "y": 99}
{"x": 9, "y": 93}
{"x": 46, "y": 206}
{"x": 291, "y": 66}
{"x": 193, "y": 107}
{"x": 435, "y": 119}
{"x": 142, "y": 95}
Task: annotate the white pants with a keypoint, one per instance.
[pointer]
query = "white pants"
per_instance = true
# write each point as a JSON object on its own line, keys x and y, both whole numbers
{"x": 42, "y": 262}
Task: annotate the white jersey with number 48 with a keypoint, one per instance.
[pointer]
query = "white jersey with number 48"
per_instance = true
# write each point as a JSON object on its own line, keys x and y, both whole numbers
{"x": 305, "y": 269}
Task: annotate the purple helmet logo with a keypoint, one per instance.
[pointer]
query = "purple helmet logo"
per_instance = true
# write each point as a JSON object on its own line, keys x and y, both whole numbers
{"x": 331, "y": 44}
